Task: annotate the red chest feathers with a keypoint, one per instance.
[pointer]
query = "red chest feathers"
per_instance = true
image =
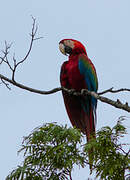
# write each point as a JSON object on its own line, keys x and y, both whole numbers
{"x": 74, "y": 79}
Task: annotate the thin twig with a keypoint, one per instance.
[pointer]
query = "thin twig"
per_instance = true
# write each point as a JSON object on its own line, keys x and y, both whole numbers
{"x": 5, "y": 57}
{"x": 7, "y": 47}
{"x": 114, "y": 91}
{"x": 33, "y": 34}
{"x": 119, "y": 148}
{"x": 6, "y": 84}
{"x": 116, "y": 104}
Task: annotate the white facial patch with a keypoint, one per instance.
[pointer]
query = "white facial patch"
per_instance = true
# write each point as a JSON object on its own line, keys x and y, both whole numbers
{"x": 62, "y": 48}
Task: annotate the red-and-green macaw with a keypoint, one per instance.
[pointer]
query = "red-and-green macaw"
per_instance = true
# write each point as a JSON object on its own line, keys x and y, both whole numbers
{"x": 79, "y": 73}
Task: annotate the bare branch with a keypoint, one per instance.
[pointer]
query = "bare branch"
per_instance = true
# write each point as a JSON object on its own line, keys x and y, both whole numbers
{"x": 116, "y": 104}
{"x": 5, "y": 57}
{"x": 38, "y": 38}
{"x": 83, "y": 92}
{"x": 14, "y": 60}
{"x": 114, "y": 91}
{"x": 33, "y": 34}
{"x": 7, "y": 47}
{"x": 6, "y": 84}
{"x": 28, "y": 88}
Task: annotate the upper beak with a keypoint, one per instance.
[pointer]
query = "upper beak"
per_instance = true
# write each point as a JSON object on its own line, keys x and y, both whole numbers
{"x": 62, "y": 48}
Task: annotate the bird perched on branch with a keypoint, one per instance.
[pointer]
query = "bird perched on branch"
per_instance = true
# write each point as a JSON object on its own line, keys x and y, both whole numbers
{"x": 79, "y": 73}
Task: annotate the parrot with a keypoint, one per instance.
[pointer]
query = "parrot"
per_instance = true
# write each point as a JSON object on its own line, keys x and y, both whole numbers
{"x": 78, "y": 73}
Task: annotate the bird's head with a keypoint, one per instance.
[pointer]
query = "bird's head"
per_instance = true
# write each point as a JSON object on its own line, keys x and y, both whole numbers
{"x": 71, "y": 47}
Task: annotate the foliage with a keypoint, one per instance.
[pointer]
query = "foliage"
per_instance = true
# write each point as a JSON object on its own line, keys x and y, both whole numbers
{"x": 110, "y": 161}
{"x": 51, "y": 151}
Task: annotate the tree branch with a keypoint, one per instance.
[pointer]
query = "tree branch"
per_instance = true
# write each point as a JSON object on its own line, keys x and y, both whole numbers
{"x": 83, "y": 92}
{"x": 4, "y": 59}
{"x": 114, "y": 91}
{"x": 5, "y": 83}
{"x": 5, "y": 56}
{"x": 116, "y": 104}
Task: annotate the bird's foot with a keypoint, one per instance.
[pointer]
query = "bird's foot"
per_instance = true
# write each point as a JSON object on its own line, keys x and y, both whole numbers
{"x": 72, "y": 91}
{"x": 83, "y": 92}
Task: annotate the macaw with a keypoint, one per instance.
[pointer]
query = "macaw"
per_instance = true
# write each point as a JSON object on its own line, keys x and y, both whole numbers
{"x": 79, "y": 73}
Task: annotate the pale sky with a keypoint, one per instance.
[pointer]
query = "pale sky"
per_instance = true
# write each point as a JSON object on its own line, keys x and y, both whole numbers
{"x": 102, "y": 26}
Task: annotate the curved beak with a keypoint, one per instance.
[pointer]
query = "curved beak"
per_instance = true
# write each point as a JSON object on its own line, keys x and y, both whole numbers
{"x": 62, "y": 48}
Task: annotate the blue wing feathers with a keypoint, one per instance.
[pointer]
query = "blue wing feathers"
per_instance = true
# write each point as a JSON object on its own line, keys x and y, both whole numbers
{"x": 89, "y": 78}
{"x": 86, "y": 69}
